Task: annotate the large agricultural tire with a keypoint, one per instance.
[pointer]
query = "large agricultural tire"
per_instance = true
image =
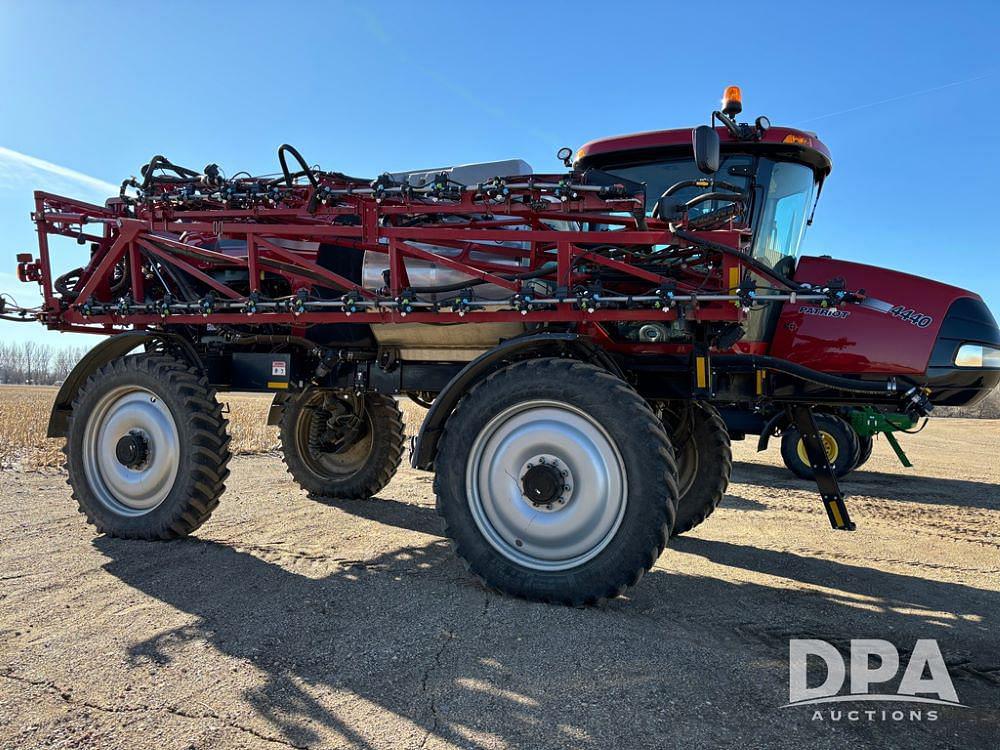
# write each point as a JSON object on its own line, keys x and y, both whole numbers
{"x": 839, "y": 439}
{"x": 704, "y": 462}
{"x": 353, "y": 464}
{"x": 147, "y": 448}
{"x": 556, "y": 482}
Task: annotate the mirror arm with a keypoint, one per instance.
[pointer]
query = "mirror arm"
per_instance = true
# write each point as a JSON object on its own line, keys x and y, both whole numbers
{"x": 731, "y": 126}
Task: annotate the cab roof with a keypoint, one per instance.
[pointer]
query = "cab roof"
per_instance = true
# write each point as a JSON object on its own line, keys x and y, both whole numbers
{"x": 799, "y": 145}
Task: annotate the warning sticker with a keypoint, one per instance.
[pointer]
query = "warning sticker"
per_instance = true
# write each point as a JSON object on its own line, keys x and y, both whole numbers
{"x": 279, "y": 368}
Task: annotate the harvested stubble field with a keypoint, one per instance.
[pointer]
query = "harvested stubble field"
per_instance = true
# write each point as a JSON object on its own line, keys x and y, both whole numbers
{"x": 287, "y": 622}
{"x": 24, "y": 415}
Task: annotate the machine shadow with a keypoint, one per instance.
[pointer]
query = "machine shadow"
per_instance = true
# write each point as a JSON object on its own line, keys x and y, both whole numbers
{"x": 893, "y": 601}
{"x": 410, "y": 633}
{"x": 961, "y": 493}
{"x": 390, "y": 512}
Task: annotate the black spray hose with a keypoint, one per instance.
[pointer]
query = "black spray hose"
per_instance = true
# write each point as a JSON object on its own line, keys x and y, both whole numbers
{"x": 67, "y": 283}
{"x": 763, "y": 362}
{"x": 184, "y": 175}
{"x": 755, "y": 264}
{"x": 12, "y": 319}
{"x": 306, "y": 169}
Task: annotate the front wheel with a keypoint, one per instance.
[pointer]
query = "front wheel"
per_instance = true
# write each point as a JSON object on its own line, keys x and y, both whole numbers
{"x": 839, "y": 440}
{"x": 338, "y": 445}
{"x": 551, "y": 477}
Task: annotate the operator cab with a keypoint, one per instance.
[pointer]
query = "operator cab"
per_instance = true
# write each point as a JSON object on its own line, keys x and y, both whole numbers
{"x": 760, "y": 180}
{"x": 780, "y": 171}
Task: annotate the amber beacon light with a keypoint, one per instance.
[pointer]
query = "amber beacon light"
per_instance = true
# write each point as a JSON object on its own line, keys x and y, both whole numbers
{"x": 732, "y": 101}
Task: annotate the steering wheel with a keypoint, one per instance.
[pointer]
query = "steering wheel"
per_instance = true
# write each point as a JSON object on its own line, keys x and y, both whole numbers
{"x": 719, "y": 191}
{"x": 714, "y": 218}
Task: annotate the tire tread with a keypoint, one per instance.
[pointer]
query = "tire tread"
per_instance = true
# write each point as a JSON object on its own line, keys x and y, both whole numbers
{"x": 717, "y": 443}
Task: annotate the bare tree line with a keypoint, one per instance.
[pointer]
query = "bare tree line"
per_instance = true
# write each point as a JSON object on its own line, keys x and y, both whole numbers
{"x": 35, "y": 363}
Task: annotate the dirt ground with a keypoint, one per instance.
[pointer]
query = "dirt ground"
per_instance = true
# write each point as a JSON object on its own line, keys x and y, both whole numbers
{"x": 288, "y": 622}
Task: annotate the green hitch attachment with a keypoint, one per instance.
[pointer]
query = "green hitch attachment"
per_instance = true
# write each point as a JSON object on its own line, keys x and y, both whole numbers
{"x": 868, "y": 422}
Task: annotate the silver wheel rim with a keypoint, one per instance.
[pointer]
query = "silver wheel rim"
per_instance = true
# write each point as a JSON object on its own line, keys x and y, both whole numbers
{"x": 127, "y": 490}
{"x": 558, "y": 535}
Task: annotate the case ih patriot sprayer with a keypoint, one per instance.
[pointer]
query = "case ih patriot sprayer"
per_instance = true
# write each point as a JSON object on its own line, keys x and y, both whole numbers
{"x": 573, "y": 335}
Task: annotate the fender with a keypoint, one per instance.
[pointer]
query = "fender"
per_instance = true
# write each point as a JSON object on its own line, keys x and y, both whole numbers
{"x": 276, "y": 409}
{"x": 108, "y": 350}
{"x": 780, "y": 420}
{"x": 522, "y": 347}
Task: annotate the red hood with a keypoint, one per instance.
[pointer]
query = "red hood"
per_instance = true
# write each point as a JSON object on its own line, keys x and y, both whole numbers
{"x": 894, "y": 332}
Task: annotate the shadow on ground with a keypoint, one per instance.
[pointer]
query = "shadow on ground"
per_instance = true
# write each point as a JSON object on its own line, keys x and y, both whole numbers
{"x": 961, "y": 493}
{"x": 689, "y": 657}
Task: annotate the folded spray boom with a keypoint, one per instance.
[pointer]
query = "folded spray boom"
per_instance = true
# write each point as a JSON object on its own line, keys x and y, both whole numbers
{"x": 196, "y": 245}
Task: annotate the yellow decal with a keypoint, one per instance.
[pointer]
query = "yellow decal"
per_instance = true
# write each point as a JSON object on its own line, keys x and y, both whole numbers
{"x": 701, "y": 375}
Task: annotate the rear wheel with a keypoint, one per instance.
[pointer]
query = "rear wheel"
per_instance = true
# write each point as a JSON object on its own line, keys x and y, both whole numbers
{"x": 550, "y": 479}
{"x": 337, "y": 445}
{"x": 839, "y": 439}
{"x": 704, "y": 461}
{"x": 147, "y": 448}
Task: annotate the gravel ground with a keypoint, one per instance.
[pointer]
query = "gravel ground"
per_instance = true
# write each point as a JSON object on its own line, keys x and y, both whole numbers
{"x": 290, "y": 623}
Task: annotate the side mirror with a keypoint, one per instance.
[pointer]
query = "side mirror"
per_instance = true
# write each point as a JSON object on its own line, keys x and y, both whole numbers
{"x": 706, "y": 149}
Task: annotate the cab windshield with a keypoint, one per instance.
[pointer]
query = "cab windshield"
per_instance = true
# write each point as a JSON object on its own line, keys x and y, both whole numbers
{"x": 781, "y": 197}
{"x": 783, "y": 219}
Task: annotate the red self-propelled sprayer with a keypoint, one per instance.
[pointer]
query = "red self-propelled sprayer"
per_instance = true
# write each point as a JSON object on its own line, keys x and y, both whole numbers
{"x": 574, "y": 337}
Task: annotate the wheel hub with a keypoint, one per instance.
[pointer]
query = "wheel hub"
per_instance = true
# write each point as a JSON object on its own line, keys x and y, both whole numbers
{"x": 546, "y": 482}
{"x": 336, "y": 438}
{"x": 132, "y": 450}
{"x": 829, "y": 445}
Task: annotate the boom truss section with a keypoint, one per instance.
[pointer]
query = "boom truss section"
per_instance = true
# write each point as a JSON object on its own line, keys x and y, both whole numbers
{"x": 561, "y": 248}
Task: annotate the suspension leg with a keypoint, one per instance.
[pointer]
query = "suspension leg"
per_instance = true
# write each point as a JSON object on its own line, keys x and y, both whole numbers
{"x": 826, "y": 480}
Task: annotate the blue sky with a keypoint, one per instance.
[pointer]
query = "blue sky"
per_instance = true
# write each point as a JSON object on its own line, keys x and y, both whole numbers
{"x": 906, "y": 95}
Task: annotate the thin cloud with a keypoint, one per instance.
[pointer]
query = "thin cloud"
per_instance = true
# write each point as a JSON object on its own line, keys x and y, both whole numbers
{"x": 14, "y": 164}
{"x": 896, "y": 98}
